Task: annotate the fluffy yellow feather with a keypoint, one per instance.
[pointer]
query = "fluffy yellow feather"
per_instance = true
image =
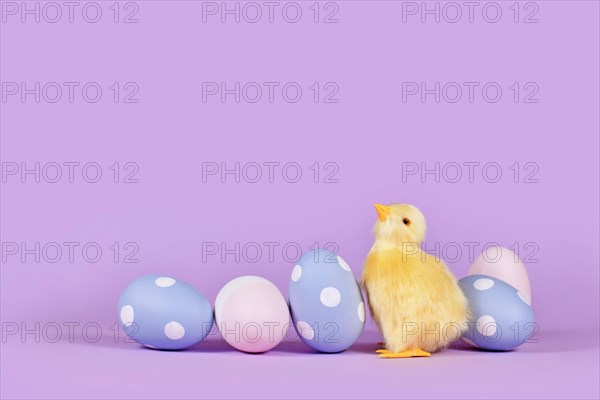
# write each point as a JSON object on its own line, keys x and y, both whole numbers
{"x": 413, "y": 297}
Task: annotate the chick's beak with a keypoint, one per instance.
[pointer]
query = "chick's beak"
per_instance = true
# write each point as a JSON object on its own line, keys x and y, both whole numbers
{"x": 382, "y": 211}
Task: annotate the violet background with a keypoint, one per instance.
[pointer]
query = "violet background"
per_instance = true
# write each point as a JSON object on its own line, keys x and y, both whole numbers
{"x": 369, "y": 133}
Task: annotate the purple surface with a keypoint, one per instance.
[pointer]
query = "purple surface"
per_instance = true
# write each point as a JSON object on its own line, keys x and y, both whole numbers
{"x": 170, "y": 215}
{"x": 562, "y": 365}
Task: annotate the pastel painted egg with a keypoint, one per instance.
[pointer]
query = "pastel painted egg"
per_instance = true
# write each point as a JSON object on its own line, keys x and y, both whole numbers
{"x": 501, "y": 316}
{"x": 162, "y": 312}
{"x": 504, "y": 264}
{"x": 327, "y": 306}
{"x": 252, "y": 314}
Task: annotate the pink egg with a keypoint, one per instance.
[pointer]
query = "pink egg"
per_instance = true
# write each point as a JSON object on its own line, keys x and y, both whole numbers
{"x": 504, "y": 264}
{"x": 252, "y": 314}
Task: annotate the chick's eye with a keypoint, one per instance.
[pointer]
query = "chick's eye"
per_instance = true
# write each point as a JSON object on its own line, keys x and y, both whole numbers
{"x": 406, "y": 221}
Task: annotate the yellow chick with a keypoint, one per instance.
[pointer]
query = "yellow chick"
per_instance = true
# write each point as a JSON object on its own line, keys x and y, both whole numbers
{"x": 413, "y": 297}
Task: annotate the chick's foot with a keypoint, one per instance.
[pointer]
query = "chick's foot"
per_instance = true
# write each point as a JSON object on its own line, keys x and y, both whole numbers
{"x": 403, "y": 354}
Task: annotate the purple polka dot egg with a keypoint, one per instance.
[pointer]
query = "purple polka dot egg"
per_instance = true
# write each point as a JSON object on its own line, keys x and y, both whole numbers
{"x": 328, "y": 310}
{"x": 165, "y": 313}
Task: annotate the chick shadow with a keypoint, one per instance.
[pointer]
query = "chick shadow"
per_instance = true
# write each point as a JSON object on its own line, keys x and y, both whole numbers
{"x": 369, "y": 342}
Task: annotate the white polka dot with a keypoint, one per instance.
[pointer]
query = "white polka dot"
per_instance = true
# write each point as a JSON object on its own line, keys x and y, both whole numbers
{"x": 127, "y": 315}
{"x": 523, "y": 298}
{"x": 483, "y": 284}
{"x": 486, "y": 325}
{"x": 305, "y": 330}
{"x": 361, "y": 311}
{"x": 174, "y": 330}
{"x": 468, "y": 341}
{"x": 165, "y": 281}
{"x": 343, "y": 263}
{"x": 296, "y": 273}
{"x": 330, "y": 297}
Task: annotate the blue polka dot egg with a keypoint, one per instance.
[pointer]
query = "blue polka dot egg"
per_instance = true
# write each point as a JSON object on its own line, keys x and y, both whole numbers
{"x": 501, "y": 317}
{"x": 164, "y": 313}
{"x": 327, "y": 306}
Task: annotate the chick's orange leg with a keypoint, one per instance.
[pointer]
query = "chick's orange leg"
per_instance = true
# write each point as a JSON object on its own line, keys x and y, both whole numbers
{"x": 420, "y": 353}
{"x": 403, "y": 354}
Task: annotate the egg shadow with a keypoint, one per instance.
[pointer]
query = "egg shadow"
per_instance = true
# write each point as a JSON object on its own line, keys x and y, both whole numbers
{"x": 211, "y": 345}
{"x": 366, "y": 344}
{"x": 105, "y": 341}
{"x": 462, "y": 346}
{"x": 299, "y": 347}
{"x": 550, "y": 341}
{"x": 561, "y": 341}
{"x": 294, "y": 347}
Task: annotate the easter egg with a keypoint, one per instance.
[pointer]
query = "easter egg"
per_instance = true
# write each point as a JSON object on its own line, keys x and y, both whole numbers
{"x": 504, "y": 264}
{"x": 252, "y": 314}
{"x": 327, "y": 306}
{"x": 161, "y": 312}
{"x": 501, "y": 316}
